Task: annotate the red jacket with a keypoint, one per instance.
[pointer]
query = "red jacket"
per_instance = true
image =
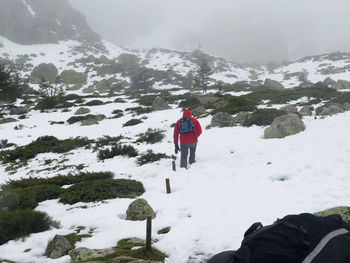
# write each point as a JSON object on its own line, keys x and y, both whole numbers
{"x": 187, "y": 137}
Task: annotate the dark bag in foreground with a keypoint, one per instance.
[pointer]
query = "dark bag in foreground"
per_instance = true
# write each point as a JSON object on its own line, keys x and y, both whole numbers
{"x": 294, "y": 239}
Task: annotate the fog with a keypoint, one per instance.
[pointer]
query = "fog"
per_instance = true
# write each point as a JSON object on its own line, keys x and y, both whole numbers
{"x": 253, "y": 31}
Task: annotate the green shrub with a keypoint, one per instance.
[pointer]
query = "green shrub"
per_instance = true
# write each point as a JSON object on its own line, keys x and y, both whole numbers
{"x": 107, "y": 140}
{"x": 146, "y": 100}
{"x": 30, "y": 197}
{"x": 43, "y": 144}
{"x": 94, "y": 103}
{"x": 119, "y": 100}
{"x": 140, "y": 110}
{"x": 132, "y": 122}
{"x": 117, "y": 111}
{"x": 263, "y": 117}
{"x": 151, "y": 136}
{"x": 61, "y": 180}
{"x": 236, "y": 104}
{"x": 20, "y": 223}
{"x": 150, "y": 157}
{"x": 89, "y": 117}
{"x": 190, "y": 103}
{"x": 48, "y": 103}
{"x": 102, "y": 189}
{"x": 117, "y": 150}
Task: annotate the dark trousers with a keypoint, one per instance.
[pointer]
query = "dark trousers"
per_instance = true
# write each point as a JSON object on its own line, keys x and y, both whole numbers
{"x": 223, "y": 257}
{"x": 184, "y": 153}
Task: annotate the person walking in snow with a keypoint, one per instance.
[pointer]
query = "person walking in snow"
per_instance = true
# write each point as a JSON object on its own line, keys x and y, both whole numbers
{"x": 219, "y": 86}
{"x": 189, "y": 129}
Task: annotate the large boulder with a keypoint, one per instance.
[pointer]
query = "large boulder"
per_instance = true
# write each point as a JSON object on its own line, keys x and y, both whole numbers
{"x": 82, "y": 111}
{"x": 273, "y": 84}
{"x": 222, "y": 119}
{"x": 19, "y": 110}
{"x": 241, "y": 117}
{"x": 284, "y": 125}
{"x": 73, "y": 78}
{"x": 306, "y": 111}
{"x": 43, "y": 72}
{"x": 328, "y": 110}
{"x": 341, "y": 84}
{"x": 84, "y": 254}
{"x": 289, "y": 109}
{"x": 343, "y": 211}
{"x": 159, "y": 104}
{"x": 199, "y": 111}
{"x": 58, "y": 247}
{"x": 329, "y": 82}
{"x": 139, "y": 210}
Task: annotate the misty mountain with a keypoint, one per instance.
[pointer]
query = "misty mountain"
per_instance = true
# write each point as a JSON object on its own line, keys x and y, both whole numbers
{"x": 39, "y": 22}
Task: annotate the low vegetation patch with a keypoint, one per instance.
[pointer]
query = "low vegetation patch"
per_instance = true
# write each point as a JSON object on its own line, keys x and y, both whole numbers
{"x": 132, "y": 122}
{"x": 140, "y": 110}
{"x": 263, "y": 117}
{"x": 151, "y": 136}
{"x": 43, "y": 144}
{"x": 84, "y": 118}
{"x": 61, "y": 180}
{"x": 107, "y": 140}
{"x": 20, "y": 223}
{"x": 94, "y": 103}
{"x": 150, "y": 157}
{"x": 236, "y": 104}
{"x": 116, "y": 150}
{"x": 98, "y": 190}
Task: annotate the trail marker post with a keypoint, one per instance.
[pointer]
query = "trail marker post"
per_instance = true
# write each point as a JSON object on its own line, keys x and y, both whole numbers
{"x": 167, "y": 183}
{"x": 174, "y": 165}
{"x": 149, "y": 233}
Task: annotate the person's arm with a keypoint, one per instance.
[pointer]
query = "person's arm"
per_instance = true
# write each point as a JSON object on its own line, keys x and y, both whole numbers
{"x": 176, "y": 133}
{"x": 198, "y": 128}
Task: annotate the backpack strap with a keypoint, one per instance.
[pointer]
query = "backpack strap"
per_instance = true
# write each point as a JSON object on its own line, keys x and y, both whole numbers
{"x": 252, "y": 229}
{"x": 323, "y": 243}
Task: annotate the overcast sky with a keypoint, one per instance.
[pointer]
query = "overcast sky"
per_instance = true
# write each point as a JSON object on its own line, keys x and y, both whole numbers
{"x": 240, "y": 30}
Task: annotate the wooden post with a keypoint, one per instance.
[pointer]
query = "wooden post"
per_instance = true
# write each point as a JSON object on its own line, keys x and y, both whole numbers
{"x": 149, "y": 233}
{"x": 174, "y": 166}
{"x": 167, "y": 182}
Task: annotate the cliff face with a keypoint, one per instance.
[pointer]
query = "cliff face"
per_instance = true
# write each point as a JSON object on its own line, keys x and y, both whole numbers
{"x": 43, "y": 21}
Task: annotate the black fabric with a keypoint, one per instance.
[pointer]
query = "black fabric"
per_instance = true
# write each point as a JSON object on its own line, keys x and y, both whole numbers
{"x": 337, "y": 250}
{"x": 288, "y": 240}
{"x": 223, "y": 257}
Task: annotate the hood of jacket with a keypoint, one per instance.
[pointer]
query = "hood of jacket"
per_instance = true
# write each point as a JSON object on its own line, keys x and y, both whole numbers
{"x": 187, "y": 113}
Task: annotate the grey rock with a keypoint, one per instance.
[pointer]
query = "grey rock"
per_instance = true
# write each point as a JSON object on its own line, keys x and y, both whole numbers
{"x": 346, "y": 106}
{"x": 43, "y": 72}
{"x": 289, "y": 109}
{"x": 139, "y": 210}
{"x": 222, "y": 119}
{"x": 18, "y": 110}
{"x": 159, "y": 104}
{"x": 306, "y": 111}
{"x": 241, "y": 117}
{"x": 341, "y": 84}
{"x": 306, "y": 84}
{"x": 328, "y": 110}
{"x": 273, "y": 84}
{"x": 82, "y": 111}
{"x": 329, "y": 82}
{"x": 284, "y": 125}
{"x": 199, "y": 111}
{"x": 58, "y": 247}
{"x": 83, "y": 253}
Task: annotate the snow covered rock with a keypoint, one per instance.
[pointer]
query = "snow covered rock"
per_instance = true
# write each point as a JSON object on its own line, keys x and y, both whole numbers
{"x": 328, "y": 110}
{"x": 283, "y": 126}
{"x": 83, "y": 253}
{"x": 273, "y": 84}
{"x": 58, "y": 247}
{"x": 139, "y": 210}
{"x": 159, "y": 104}
{"x": 222, "y": 119}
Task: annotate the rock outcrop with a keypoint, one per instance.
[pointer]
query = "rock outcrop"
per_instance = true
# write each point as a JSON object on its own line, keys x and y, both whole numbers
{"x": 139, "y": 210}
{"x": 284, "y": 125}
{"x": 58, "y": 247}
{"x": 159, "y": 104}
{"x": 222, "y": 119}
